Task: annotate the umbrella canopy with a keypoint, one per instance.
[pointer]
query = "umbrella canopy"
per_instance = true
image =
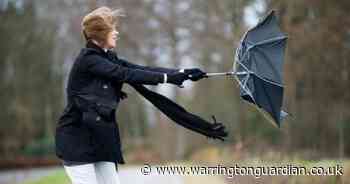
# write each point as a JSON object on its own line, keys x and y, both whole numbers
{"x": 258, "y": 67}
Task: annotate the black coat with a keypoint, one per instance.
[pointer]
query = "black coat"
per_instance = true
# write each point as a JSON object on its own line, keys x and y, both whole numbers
{"x": 87, "y": 130}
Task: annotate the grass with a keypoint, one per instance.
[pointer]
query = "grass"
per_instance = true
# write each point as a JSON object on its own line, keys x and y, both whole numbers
{"x": 58, "y": 177}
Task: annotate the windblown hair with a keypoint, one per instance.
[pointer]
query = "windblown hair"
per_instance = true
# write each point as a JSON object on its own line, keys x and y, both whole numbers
{"x": 98, "y": 23}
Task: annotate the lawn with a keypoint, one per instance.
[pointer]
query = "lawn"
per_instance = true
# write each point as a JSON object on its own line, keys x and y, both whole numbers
{"x": 58, "y": 177}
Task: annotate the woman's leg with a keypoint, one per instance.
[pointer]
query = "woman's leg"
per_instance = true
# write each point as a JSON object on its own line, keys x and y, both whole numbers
{"x": 81, "y": 174}
{"x": 106, "y": 173}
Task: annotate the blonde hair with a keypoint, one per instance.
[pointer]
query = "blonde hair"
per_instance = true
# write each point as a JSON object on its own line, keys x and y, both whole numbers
{"x": 98, "y": 23}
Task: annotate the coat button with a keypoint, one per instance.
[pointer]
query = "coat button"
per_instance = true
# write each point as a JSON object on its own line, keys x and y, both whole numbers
{"x": 98, "y": 118}
{"x": 105, "y": 86}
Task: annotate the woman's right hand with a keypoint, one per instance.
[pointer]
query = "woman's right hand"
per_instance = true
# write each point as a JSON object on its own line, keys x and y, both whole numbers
{"x": 195, "y": 74}
{"x": 176, "y": 78}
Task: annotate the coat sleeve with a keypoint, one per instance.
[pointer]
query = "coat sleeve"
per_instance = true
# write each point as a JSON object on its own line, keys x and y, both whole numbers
{"x": 100, "y": 66}
{"x": 148, "y": 68}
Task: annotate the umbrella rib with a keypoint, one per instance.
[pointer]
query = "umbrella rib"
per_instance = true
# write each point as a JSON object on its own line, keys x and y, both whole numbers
{"x": 246, "y": 90}
{"x": 244, "y": 87}
{"x": 279, "y": 38}
{"x": 269, "y": 81}
{"x": 271, "y": 40}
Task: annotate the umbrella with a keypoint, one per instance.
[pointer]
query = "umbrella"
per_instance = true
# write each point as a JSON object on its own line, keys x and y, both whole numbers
{"x": 258, "y": 68}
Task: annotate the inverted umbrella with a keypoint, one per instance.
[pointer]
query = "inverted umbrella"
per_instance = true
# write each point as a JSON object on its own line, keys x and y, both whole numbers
{"x": 258, "y": 67}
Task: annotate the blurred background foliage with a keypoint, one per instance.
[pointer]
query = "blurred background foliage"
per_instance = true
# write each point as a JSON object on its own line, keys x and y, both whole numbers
{"x": 40, "y": 40}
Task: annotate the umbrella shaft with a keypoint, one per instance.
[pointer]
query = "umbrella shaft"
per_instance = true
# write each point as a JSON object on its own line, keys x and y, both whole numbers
{"x": 226, "y": 73}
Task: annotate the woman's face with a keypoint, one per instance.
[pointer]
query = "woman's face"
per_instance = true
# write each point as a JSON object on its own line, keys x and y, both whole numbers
{"x": 111, "y": 40}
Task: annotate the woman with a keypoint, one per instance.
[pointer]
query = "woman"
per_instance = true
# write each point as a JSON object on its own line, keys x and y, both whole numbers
{"x": 87, "y": 135}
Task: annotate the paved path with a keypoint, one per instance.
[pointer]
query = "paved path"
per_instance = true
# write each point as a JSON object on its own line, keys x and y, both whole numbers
{"x": 133, "y": 175}
{"x": 127, "y": 175}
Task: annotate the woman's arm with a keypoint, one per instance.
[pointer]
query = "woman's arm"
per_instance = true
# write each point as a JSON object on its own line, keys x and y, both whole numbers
{"x": 100, "y": 66}
{"x": 104, "y": 68}
{"x": 148, "y": 68}
{"x": 195, "y": 74}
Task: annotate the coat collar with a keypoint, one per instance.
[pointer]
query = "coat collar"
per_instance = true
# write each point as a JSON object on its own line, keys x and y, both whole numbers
{"x": 109, "y": 53}
{"x": 92, "y": 45}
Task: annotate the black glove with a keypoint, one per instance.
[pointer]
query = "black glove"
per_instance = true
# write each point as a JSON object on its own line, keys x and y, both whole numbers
{"x": 217, "y": 131}
{"x": 195, "y": 74}
{"x": 123, "y": 95}
{"x": 176, "y": 78}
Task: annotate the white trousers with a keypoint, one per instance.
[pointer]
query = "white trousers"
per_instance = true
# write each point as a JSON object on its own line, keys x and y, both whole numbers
{"x": 93, "y": 173}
